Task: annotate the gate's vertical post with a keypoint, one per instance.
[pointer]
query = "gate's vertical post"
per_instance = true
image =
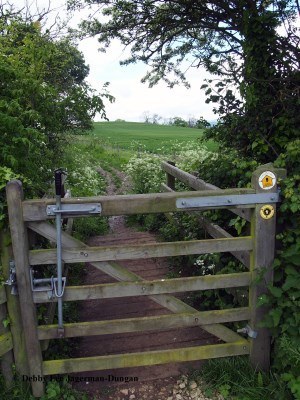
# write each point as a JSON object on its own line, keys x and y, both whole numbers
{"x": 13, "y": 309}
{"x": 171, "y": 178}
{"x": 7, "y": 359}
{"x": 19, "y": 237}
{"x": 263, "y": 229}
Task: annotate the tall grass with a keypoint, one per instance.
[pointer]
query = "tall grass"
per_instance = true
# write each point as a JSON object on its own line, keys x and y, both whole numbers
{"x": 236, "y": 379}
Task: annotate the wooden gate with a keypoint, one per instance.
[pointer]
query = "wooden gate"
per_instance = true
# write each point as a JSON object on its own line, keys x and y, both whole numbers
{"x": 256, "y": 204}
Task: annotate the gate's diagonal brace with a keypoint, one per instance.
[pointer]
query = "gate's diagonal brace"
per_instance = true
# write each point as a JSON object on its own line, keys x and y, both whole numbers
{"x": 122, "y": 274}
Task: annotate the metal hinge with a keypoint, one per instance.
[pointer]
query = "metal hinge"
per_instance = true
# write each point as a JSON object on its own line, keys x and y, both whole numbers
{"x": 231, "y": 200}
{"x": 248, "y": 331}
{"x": 74, "y": 209}
{"x": 47, "y": 285}
{"x": 12, "y": 280}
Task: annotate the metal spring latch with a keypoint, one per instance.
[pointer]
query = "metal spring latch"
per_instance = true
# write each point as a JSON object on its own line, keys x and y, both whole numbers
{"x": 47, "y": 285}
{"x": 248, "y": 331}
{"x": 12, "y": 279}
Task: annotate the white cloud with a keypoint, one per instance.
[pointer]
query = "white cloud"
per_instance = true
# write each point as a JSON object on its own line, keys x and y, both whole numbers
{"x": 132, "y": 97}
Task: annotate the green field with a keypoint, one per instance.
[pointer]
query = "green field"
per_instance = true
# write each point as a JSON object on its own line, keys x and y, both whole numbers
{"x": 151, "y": 137}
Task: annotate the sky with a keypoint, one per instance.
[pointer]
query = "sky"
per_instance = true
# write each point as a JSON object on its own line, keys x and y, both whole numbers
{"x": 133, "y": 98}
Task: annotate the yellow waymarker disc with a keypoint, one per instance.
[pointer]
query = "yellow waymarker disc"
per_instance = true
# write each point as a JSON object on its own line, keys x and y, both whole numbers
{"x": 267, "y": 211}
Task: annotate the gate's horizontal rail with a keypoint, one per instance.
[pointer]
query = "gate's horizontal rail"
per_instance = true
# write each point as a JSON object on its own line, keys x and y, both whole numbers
{"x": 120, "y": 273}
{"x": 36, "y": 210}
{"x": 99, "y": 363}
{"x": 214, "y": 230}
{"x": 147, "y": 288}
{"x": 143, "y": 324}
{"x": 199, "y": 184}
{"x": 6, "y": 343}
{"x": 167, "y": 249}
{"x": 128, "y": 289}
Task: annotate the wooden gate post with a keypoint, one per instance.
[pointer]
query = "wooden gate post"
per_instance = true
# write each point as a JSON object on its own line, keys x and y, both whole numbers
{"x": 13, "y": 309}
{"x": 171, "y": 178}
{"x": 263, "y": 229}
{"x": 19, "y": 237}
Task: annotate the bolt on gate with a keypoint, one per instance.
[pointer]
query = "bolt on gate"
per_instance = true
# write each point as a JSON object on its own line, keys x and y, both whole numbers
{"x": 256, "y": 204}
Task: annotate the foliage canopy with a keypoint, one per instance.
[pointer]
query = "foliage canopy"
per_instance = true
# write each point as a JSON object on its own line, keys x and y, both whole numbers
{"x": 250, "y": 46}
{"x": 43, "y": 97}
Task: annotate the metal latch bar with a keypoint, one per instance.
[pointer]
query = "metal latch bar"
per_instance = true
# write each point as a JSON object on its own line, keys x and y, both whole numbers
{"x": 47, "y": 285}
{"x": 231, "y": 200}
{"x": 74, "y": 209}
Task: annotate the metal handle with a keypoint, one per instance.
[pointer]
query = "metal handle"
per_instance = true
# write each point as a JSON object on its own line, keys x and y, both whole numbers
{"x": 58, "y": 181}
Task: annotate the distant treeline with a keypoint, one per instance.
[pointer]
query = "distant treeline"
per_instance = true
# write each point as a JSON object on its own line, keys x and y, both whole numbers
{"x": 191, "y": 122}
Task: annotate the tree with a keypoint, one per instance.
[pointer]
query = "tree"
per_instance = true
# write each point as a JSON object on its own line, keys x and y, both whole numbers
{"x": 178, "y": 121}
{"x": 43, "y": 97}
{"x": 236, "y": 40}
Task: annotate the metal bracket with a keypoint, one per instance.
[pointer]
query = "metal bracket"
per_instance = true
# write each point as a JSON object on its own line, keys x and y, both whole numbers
{"x": 232, "y": 200}
{"x": 12, "y": 280}
{"x": 74, "y": 209}
{"x": 47, "y": 285}
{"x": 248, "y": 331}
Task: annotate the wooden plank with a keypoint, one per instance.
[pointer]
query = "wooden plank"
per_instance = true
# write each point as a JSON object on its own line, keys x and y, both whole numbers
{"x": 190, "y": 180}
{"x": 170, "y": 178}
{"x": 99, "y": 363}
{"x": 140, "y": 288}
{"x": 133, "y": 252}
{"x": 18, "y": 230}
{"x": 214, "y": 231}
{"x": 199, "y": 184}
{"x": 6, "y": 343}
{"x": 3, "y": 298}
{"x": 166, "y": 188}
{"x": 14, "y": 311}
{"x": 151, "y": 203}
{"x": 263, "y": 232}
{"x": 120, "y": 273}
{"x": 143, "y": 324}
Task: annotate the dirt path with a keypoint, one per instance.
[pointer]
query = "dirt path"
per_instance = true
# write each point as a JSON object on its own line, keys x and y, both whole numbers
{"x": 157, "y": 382}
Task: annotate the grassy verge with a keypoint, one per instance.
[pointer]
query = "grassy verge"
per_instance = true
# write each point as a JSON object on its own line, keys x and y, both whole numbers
{"x": 235, "y": 379}
{"x": 54, "y": 391}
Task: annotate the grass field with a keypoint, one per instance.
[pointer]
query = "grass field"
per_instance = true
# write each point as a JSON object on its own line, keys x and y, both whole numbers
{"x": 151, "y": 137}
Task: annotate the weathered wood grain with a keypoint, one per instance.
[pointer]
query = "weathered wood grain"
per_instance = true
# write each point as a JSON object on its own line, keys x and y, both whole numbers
{"x": 151, "y": 203}
{"x": 146, "y": 358}
{"x": 214, "y": 231}
{"x": 13, "y": 309}
{"x": 120, "y": 273}
{"x": 145, "y": 323}
{"x": 141, "y": 288}
{"x": 6, "y": 343}
{"x": 198, "y": 184}
{"x": 168, "y": 249}
{"x": 263, "y": 232}
{"x": 2, "y": 295}
{"x": 19, "y": 237}
{"x": 170, "y": 178}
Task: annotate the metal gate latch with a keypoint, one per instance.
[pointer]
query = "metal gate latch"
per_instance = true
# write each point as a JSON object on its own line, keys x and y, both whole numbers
{"x": 248, "y": 331}
{"x": 74, "y": 209}
{"x": 47, "y": 285}
{"x": 12, "y": 280}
